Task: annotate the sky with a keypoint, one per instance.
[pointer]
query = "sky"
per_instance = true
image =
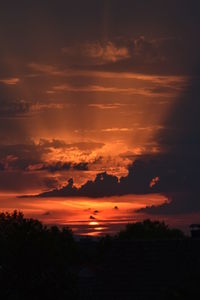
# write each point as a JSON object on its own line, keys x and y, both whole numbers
{"x": 101, "y": 99}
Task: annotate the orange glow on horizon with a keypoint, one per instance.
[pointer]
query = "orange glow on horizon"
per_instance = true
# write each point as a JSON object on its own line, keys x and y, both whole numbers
{"x": 75, "y": 212}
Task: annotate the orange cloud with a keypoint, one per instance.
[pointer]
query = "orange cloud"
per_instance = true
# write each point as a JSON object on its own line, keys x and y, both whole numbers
{"x": 115, "y": 89}
{"x": 166, "y": 80}
{"x": 10, "y": 81}
{"x": 123, "y": 129}
{"x": 106, "y": 51}
{"x": 99, "y": 52}
{"x": 154, "y": 181}
{"x": 47, "y": 69}
{"x": 105, "y": 105}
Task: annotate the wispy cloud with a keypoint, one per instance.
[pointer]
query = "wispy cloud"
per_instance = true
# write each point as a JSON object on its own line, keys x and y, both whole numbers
{"x": 70, "y": 72}
{"x": 110, "y": 82}
{"x": 123, "y": 129}
{"x": 143, "y": 91}
{"x": 10, "y": 81}
{"x": 105, "y": 105}
{"x": 46, "y": 69}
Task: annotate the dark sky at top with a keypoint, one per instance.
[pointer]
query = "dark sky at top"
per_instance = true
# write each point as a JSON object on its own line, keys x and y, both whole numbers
{"x": 36, "y": 31}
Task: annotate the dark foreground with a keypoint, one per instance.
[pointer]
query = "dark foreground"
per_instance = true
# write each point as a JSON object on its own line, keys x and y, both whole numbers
{"x": 153, "y": 269}
{"x": 145, "y": 261}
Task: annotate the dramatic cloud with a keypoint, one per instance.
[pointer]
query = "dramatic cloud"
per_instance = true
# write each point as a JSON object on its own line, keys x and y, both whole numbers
{"x": 35, "y": 171}
{"x": 32, "y": 156}
{"x": 136, "y": 182}
{"x": 173, "y": 172}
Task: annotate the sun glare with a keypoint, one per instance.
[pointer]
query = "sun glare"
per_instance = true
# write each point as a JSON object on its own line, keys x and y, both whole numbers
{"x": 93, "y": 223}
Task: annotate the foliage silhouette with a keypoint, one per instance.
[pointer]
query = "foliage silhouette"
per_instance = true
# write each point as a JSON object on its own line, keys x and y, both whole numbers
{"x": 149, "y": 230}
{"x": 39, "y": 262}
{"x": 35, "y": 260}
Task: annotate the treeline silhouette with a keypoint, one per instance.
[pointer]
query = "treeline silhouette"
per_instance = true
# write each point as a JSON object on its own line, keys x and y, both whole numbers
{"x": 35, "y": 260}
{"x": 40, "y": 262}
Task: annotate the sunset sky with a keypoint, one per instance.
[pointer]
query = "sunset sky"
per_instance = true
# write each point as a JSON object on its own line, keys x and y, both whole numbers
{"x": 88, "y": 87}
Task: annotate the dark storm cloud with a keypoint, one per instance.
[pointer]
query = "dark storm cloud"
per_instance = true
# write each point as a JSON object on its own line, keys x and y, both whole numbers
{"x": 178, "y": 203}
{"x": 136, "y": 182}
{"x": 180, "y": 142}
{"x": 165, "y": 174}
{"x": 171, "y": 176}
{"x": 181, "y": 131}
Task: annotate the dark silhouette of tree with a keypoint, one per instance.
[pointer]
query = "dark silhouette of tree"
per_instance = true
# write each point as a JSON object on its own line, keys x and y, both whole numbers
{"x": 35, "y": 260}
{"x": 40, "y": 262}
{"x": 149, "y": 230}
